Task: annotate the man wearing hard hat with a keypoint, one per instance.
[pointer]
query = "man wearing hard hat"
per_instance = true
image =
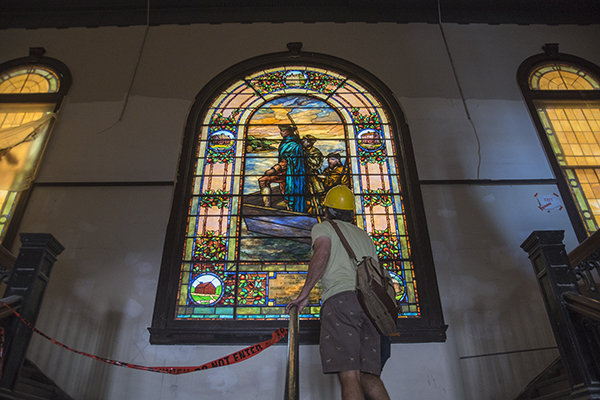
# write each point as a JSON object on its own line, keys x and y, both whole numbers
{"x": 349, "y": 343}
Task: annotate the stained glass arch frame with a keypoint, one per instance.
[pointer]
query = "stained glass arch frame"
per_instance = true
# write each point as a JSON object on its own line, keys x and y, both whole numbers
{"x": 168, "y": 326}
{"x": 46, "y": 91}
{"x": 578, "y": 94}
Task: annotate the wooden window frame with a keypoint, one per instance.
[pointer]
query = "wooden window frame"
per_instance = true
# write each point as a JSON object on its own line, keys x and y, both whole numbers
{"x": 552, "y": 55}
{"x": 35, "y": 59}
{"x": 166, "y": 329}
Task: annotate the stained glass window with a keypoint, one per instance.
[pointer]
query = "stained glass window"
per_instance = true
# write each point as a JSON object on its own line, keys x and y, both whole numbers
{"x": 24, "y": 129}
{"x": 572, "y": 126}
{"x": 268, "y": 149}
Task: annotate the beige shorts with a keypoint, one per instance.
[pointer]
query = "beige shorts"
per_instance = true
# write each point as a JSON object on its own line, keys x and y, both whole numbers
{"x": 349, "y": 341}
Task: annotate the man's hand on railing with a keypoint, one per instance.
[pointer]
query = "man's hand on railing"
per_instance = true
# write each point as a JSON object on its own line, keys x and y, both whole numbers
{"x": 299, "y": 302}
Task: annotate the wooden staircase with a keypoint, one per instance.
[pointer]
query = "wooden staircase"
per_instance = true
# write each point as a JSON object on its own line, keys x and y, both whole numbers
{"x": 28, "y": 275}
{"x": 568, "y": 284}
{"x": 551, "y": 384}
{"x": 33, "y": 384}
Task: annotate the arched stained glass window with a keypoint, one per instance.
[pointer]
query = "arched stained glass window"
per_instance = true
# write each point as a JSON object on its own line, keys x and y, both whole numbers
{"x": 30, "y": 94}
{"x": 564, "y": 93}
{"x": 266, "y": 148}
{"x": 248, "y": 237}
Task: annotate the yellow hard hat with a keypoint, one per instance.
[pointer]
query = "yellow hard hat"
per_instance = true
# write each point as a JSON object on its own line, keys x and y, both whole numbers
{"x": 340, "y": 197}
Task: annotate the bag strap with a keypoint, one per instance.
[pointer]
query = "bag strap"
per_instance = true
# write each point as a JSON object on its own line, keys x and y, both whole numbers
{"x": 343, "y": 240}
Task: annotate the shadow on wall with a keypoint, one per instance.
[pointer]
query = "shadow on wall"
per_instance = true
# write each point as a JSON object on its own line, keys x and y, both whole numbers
{"x": 83, "y": 332}
{"x": 489, "y": 293}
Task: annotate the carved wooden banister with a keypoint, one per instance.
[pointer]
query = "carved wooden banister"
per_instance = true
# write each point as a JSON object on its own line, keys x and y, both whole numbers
{"x": 589, "y": 308}
{"x": 585, "y": 249}
{"x": 28, "y": 281}
{"x": 585, "y": 261}
{"x": 558, "y": 285}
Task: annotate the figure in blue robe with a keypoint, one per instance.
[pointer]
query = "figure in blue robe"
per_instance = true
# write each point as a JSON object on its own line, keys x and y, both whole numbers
{"x": 292, "y": 152}
{"x": 289, "y": 172}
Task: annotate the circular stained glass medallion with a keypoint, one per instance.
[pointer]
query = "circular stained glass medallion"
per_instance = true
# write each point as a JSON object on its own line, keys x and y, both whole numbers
{"x": 221, "y": 140}
{"x": 206, "y": 289}
{"x": 370, "y": 139}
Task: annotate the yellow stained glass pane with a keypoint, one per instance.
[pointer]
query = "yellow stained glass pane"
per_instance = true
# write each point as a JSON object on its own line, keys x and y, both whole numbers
{"x": 23, "y": 132}
{"x": 562, "y": 77}
{"x": 23, "y": 135}
{"x": 29, "y": 80}
{"x": 590, "y": 185}
{"x": 8, "y": 201}
{"x": 574, "y": 131}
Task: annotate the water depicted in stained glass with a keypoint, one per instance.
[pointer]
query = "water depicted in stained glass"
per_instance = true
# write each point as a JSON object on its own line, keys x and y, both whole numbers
{"x": 562, "y": 77}
{"x": 270, "y": 147}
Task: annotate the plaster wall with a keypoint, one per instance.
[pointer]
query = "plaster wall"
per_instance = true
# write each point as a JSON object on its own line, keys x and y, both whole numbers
{"x": 101, "y": 294}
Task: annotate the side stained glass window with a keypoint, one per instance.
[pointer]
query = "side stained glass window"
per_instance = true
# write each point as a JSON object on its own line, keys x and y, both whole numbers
{"x": 268, "y": 149}
{"x": 29, "y": 98}
{"x": 572, "y": 126}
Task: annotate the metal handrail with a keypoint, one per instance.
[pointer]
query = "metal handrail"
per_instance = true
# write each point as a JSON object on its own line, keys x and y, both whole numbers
{"x": 292, "y": 390}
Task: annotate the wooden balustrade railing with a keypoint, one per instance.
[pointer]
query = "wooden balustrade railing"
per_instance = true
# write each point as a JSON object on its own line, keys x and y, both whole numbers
{"x": 583, "y": 305}
{"x": 574, "y": 317}
{"x": 585, "y": 261}
{"x": 25, "y": 289}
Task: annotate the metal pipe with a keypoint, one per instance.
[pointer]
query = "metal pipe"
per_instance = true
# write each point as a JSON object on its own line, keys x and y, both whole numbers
{"x": 292, "y": 390}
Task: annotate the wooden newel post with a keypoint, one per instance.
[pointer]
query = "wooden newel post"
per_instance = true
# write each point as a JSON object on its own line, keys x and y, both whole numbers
{"x": 555, "y": 277}
{"x": 29, "y": 280}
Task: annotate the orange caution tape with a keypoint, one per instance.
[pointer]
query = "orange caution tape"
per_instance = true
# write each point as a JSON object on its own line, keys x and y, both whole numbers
{"x": 230, "y": 359}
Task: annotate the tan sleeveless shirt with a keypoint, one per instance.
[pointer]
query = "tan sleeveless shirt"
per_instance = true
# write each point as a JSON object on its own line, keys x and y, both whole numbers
{"x": 340, "y": 273}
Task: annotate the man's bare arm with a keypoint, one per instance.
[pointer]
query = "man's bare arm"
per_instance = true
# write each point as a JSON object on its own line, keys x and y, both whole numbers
{"x": 316, "y": 268}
